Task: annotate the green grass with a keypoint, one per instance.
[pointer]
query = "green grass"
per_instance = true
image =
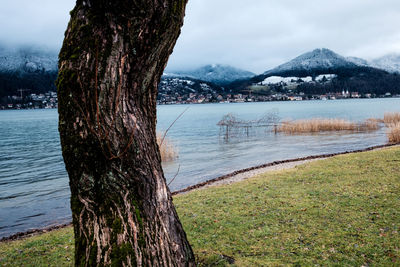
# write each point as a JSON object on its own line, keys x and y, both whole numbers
{"x": 55, "y": 248}
{"x": 342, "y": 211}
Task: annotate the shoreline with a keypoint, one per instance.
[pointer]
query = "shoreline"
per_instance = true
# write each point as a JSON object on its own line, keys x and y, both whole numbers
{"x": 235, "y": 176}
{"x": 234, "y": 102}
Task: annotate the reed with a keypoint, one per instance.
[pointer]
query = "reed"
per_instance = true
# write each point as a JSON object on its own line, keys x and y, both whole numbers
{"x": 167, "y": 149}
{"x": 391, "y": 118}
{"x": 325, "y": 125}
{"x": 316, "y": 125}
{"x": 370, "y": 125}
{"x": 393, "y": 133}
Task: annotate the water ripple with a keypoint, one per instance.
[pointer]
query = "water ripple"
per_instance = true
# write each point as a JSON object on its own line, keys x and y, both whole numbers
{"x": 34, "y": 190}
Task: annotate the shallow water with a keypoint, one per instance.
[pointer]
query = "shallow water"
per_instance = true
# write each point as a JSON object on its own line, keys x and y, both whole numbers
{"x": 34, "y": 188}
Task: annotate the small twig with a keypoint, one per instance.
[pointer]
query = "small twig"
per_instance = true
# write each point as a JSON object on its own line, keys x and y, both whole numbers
{"x": 179, "y": 167}
{"x": 165, "y": 134}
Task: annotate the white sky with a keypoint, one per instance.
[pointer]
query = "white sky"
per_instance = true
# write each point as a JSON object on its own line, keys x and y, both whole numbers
{"x": 255, "y": 34}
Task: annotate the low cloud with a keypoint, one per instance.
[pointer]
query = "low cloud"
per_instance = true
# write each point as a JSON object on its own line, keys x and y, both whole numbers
{"x": 39, "y": 23}
{"x": 255, "y": 35}
{"x": 259, "y": 34}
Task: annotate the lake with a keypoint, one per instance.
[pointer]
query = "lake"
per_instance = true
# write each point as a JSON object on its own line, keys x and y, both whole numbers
{"x": 34, "y": 191}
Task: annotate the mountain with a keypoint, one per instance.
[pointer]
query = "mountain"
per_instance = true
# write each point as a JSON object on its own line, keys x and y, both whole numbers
{"x": 218, "y": 74}
{"x": 27, "y": 60}
{"x": 390, "y": 63}
{"x": 318, "y": 59}
{"x": 327, "y": 60}
{"x": 359, "y": 61}
{"x": 319, "y": 72}
{"x": 36, "y": 70}
{"x": 27, "y": 68}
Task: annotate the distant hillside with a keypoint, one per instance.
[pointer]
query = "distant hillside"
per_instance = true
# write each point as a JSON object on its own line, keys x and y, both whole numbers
{"x": 318, "y": 59}
{"x": 27, "y": 69}
{"x": 345, "y": 74}
{"x": 27, "y": 60}
{"x": 359, "y": 61}
{"x": 363, "y": 80}
{"x": 315, "y": 72}
{"x": 36, "y": 70}
{"x": 218, "y": 74}
{"x": 189, "y": 90}
{"x": 390, "y": 63}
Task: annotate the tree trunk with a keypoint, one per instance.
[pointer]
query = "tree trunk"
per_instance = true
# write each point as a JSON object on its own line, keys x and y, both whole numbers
{"x": 111, "y": 62}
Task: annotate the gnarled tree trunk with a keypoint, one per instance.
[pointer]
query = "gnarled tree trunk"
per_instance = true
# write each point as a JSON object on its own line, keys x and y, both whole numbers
{"x": 111, "y": 62}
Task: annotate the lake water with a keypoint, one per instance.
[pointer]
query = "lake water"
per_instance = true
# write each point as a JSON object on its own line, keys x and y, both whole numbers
{"x": 34, "y": 190}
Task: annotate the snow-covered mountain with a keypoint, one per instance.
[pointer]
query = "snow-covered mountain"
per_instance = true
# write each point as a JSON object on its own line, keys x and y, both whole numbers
{"x": 390, "y": 63}
{"x": 321, "y": 71}
{"x": 28, "y": 68}
{"x": 27, "y": 60}
{"x": 218, "y": 74}
{"x": 316, "y": 59}
{"x": 323, "y": 58}
{"x": 359, "y": 61}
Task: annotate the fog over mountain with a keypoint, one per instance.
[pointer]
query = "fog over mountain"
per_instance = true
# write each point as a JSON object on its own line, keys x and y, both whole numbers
{"x": 389, "y": 63}
{"x": 254, "y": 36}
{"x": 29, "y": 68}
{"x": 216, "y": 73}
{"x": 36, "y": 69}
{"x": 27, "y": 59}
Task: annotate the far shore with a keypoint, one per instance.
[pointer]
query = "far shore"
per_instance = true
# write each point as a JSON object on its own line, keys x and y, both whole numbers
{"x": 223, "y": 102}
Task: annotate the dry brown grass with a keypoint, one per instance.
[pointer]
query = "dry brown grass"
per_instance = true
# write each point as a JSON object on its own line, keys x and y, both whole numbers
{"x": 391, "y": 118}
{"x": 315, "y": 125}
{"x": 325, "y": 125}
{"x": 167, "y": 150}
{"x": 370, "y": 125}
{"x": 393, "y": 133}
{"x": 375, "y": 120}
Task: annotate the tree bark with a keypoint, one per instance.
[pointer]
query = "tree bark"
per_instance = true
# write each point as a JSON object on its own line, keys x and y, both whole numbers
{"x": 110, "y": 64}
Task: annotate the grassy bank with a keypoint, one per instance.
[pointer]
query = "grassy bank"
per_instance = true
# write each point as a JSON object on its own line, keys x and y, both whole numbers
{"x": 342, "y": 211}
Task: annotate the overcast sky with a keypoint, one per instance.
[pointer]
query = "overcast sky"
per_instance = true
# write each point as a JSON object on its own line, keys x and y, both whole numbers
{"x": 255, "y": 34}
